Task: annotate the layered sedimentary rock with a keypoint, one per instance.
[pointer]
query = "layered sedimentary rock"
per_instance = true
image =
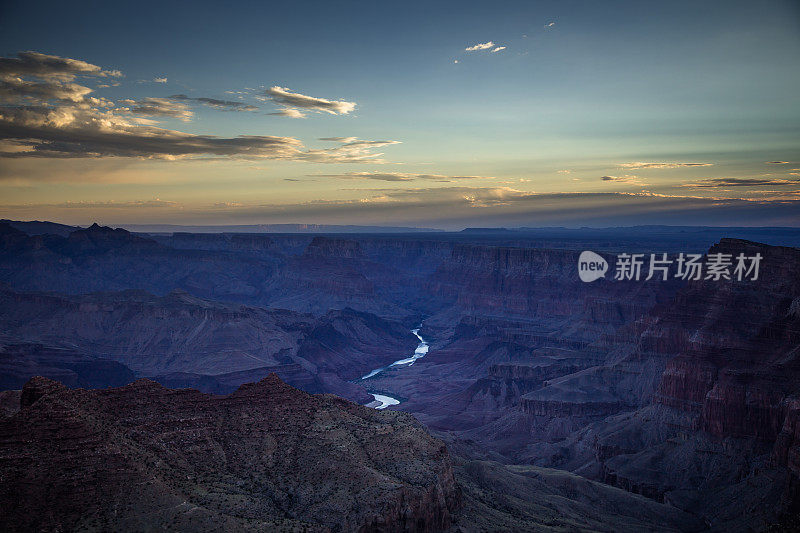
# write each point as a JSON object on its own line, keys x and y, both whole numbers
{"x": 186, "y": 341}
{"x": 21, "y": 360}
{"x": 718, "y": 432}
{"x": 682, "y": 392}
{"x": 265, "y": 457}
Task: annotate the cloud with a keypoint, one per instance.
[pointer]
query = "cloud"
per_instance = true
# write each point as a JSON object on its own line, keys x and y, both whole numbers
{"x": 49, "y": 67}
{"x": 159, "y": 80}
{"x": 778, "y": 162}
{"x": 53, "y": 78}
{"x": 461, "y": 206}
{"x": 711, "y": 183}
{"x": 294, "y": 102}
{"x": 158, "y": 107}
{"x": 640, "y": 165}
{"x": 111, "y": 204}
{"x": 550, "y": 24}
{"x": 224, "y": 105}
{"x": 18, "y": 90}
{"x": 480, "y": 46}
{"x": 490, "y": 46}
{"x": 52, "y": 117}
{"x": 87, "y": 132}
{"x": 628, "y": 179}
{"x": 350, "y": 150}
{"x": 339, "y": 139}
{"x": 398, "y": 176}
{"x": 289, "y": 112}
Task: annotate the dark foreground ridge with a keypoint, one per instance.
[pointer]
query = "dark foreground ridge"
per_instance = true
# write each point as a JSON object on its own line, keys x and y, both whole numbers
{"x": 268, "y": 457}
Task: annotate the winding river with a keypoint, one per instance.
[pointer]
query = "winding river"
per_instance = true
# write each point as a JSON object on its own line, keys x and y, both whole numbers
{"x": 421, "y": 351}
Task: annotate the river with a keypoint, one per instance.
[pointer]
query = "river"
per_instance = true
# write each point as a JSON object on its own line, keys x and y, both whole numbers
{"x": 383, "y": 400}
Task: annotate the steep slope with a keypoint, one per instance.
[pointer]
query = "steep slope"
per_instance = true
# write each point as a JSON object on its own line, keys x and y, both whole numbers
{"x": 529, "y": 498}
{"x": 716, "y": 433}
{"x": 265, "y": 457}
{"x": 20, "y": 361}
{"x": 181, "y": 340}
{"x": 270, "y": 457}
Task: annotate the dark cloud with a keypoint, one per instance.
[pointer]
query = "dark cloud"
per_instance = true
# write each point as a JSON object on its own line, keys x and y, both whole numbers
{"x": 224, "y": 105}
{"x": 712, "y": 183}
{"x": 102, "y": 205}
{"x": 53, "y": 78}
{"x": 158, "y": 107}
{"x": 639, "y": 165}
{"x": 83, "y": 131}
{"x": 79, "y": 133}
{"x": 397, "y": 176}
{"x": 627, "y": 178}
{"x": 50, "y": 67}
{"x": 17, "y": 90}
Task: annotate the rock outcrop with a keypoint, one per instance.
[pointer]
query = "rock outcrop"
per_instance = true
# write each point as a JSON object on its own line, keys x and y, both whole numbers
{"x": 267, "y": 457}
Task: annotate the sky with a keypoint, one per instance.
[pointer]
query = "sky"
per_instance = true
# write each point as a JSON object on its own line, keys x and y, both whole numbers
{"x": 428, "y": 114}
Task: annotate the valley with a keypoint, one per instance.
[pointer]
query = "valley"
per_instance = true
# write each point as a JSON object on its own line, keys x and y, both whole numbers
{"x": 675, "y": 397}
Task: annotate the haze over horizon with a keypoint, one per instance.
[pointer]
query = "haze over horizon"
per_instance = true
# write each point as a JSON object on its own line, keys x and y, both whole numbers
{"x": 445, "y": 116}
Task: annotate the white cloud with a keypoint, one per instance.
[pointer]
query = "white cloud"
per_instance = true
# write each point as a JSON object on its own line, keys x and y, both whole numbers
{"x": 159, "y": 80}
{"x": 293, "y": 103}
{"x": 499, "y": 49}
{"x": 480, "y": 46}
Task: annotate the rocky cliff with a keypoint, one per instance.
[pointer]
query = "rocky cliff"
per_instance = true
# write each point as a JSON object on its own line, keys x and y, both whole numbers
{"x": 717, "y": 433}
{"x": 265, "y": 457}
{"x": 183, "y": 340}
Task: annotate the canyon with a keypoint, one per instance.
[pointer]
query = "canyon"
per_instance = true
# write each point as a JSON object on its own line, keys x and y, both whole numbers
{"x": 674, "y": 400}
